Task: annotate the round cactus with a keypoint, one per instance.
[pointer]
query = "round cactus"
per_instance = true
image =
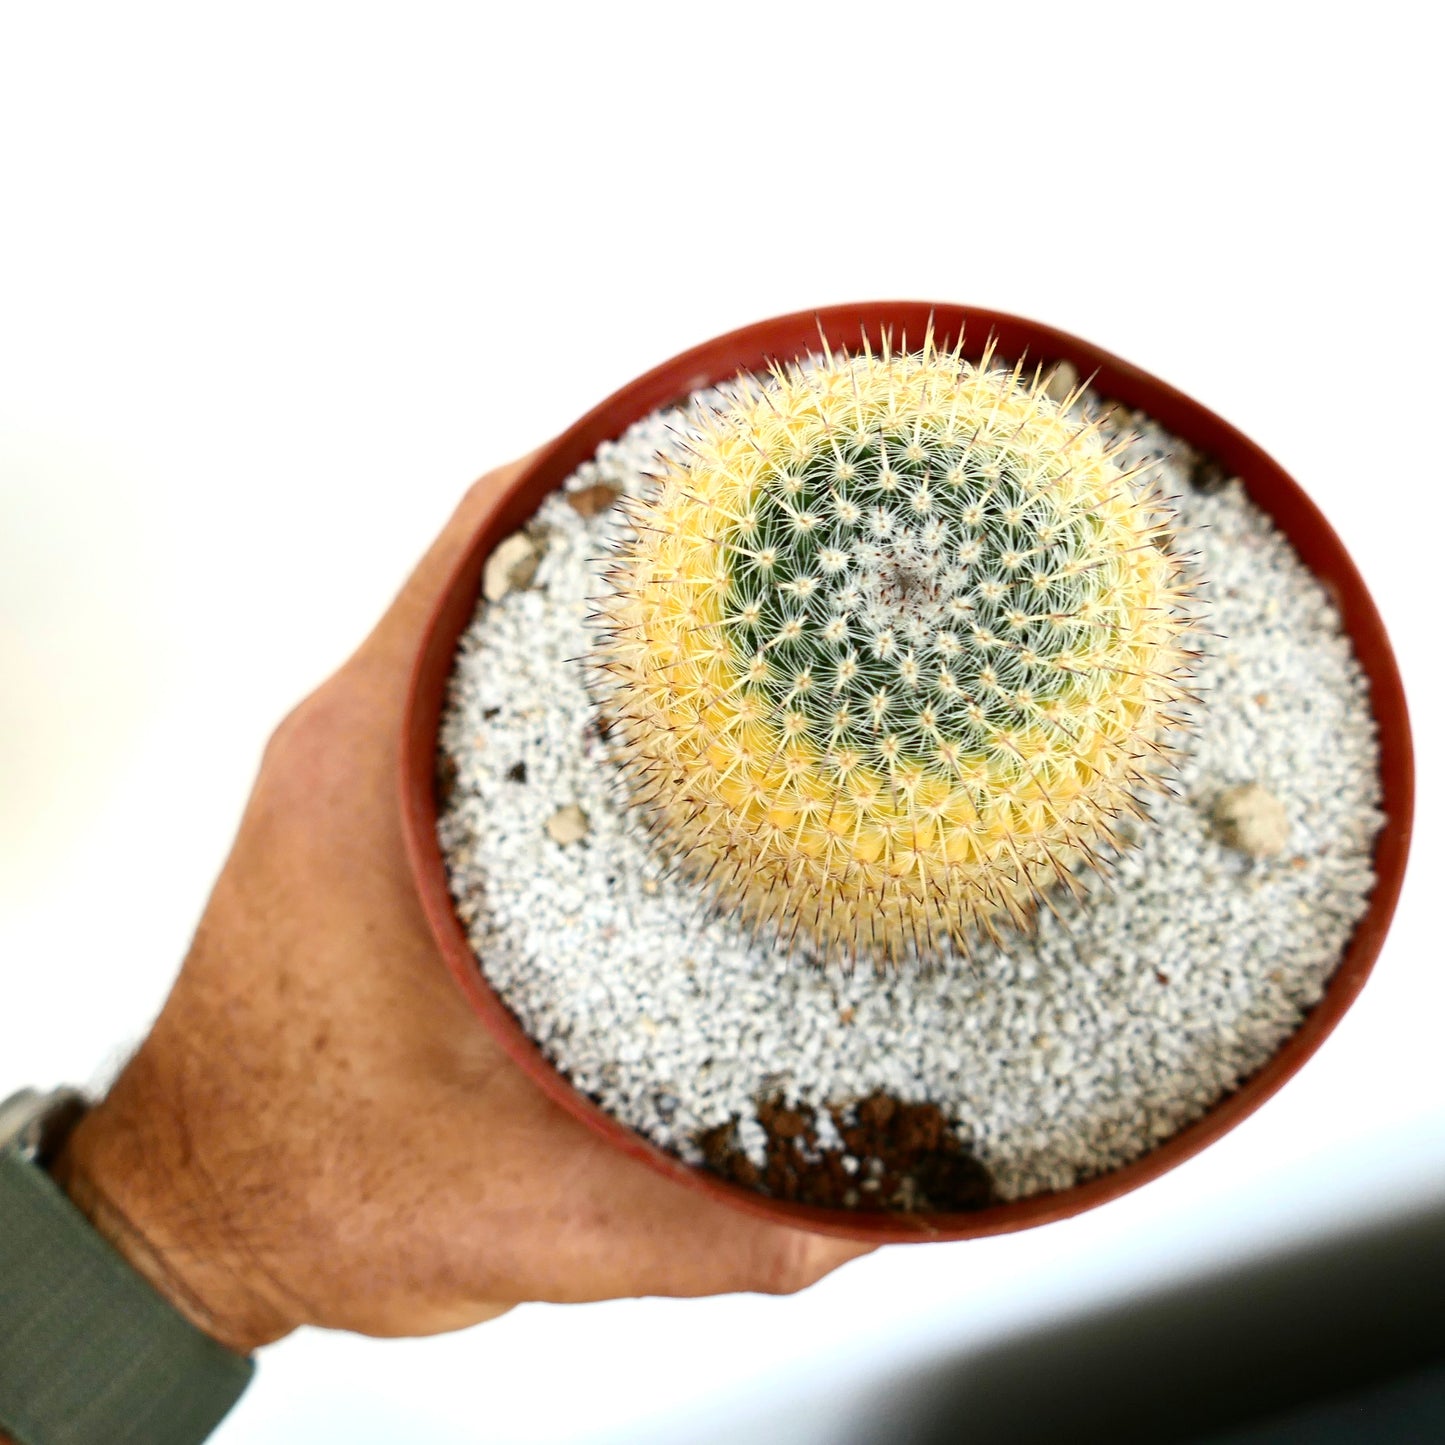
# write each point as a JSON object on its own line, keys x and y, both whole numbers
{"x": 890, "y": 648}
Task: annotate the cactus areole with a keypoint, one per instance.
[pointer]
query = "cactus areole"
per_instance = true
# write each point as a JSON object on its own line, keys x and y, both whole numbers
{"x": 890, "y": 649}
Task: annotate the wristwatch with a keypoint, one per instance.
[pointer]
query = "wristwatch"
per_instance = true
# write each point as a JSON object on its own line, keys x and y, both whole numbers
{"x": 90, "y": 1352}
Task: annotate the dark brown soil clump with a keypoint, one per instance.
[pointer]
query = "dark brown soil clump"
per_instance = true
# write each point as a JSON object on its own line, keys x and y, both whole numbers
{"x": 446, "y": 778}
{"x": 896, "y": 1156}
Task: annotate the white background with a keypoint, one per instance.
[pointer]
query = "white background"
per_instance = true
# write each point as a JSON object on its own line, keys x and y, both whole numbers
{"x": 276, "y": 282}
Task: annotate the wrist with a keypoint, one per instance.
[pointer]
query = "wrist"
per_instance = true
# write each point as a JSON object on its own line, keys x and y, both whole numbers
{"x": 131, "y": 1170}
{"x": 90, "y": 1350}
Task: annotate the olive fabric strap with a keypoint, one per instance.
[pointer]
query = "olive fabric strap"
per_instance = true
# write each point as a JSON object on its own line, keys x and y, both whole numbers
{"x": 90, "y": 1353}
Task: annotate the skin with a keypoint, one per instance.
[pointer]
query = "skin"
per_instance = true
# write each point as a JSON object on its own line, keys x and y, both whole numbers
{"x": 319, "y": 1131}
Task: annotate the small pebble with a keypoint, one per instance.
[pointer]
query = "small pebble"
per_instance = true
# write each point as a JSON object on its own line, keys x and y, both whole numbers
{"x": 1062, "y": 378}
{"x": 510, "y": 568}
{"x": 568, "y": 825}
{"x": 1252, "y": 820}
{"x": 592, "y": 501}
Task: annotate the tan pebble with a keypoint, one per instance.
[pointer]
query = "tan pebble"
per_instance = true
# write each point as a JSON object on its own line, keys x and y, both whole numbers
{"x": 510, "y": 568}
{"x": 908, "y": 1195}
{"x": 650, "y": 885}
{"x": 1251, "y": 819}
{"x": 1061, "y": 379}
{"x": 1261, "y": 699}
{"x": 590, "y": 501}
{"x": 568, "y": 825}
{"x": 847, "y": 1016}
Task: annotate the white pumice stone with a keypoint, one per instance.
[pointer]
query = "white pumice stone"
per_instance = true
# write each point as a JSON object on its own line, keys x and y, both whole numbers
{"x": 1058, "y": 1056}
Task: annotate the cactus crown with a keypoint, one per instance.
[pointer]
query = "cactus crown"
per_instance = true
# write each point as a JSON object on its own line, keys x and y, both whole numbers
{"x": 889, "y": 649}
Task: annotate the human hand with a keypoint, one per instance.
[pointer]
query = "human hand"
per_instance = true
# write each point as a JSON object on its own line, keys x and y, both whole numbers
{"x": 319, "y": 1131}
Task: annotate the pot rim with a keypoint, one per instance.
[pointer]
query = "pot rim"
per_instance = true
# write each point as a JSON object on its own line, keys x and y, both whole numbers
{"x": 783, "y": 338}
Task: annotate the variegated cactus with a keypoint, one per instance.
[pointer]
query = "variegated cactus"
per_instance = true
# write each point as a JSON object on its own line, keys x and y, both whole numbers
{"x": 890, "y": 648}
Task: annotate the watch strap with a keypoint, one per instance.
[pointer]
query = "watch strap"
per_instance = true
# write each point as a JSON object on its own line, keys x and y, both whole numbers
{"x": 90, "y": 1352}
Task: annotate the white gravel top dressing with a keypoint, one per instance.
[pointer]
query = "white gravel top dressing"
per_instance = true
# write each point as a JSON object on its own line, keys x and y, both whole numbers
{"x": 1065, "y": 1054}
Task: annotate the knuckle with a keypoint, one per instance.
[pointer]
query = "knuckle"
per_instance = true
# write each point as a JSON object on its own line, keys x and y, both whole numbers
{"x": 283, "y": 734}
{"x": 292, "y": 732}
{"x": 302, "y": 741}
{"x": 786, "y": 1265}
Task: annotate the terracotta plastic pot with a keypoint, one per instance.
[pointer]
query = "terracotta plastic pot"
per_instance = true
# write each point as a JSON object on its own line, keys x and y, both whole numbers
{"x": 785, "y": 338}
